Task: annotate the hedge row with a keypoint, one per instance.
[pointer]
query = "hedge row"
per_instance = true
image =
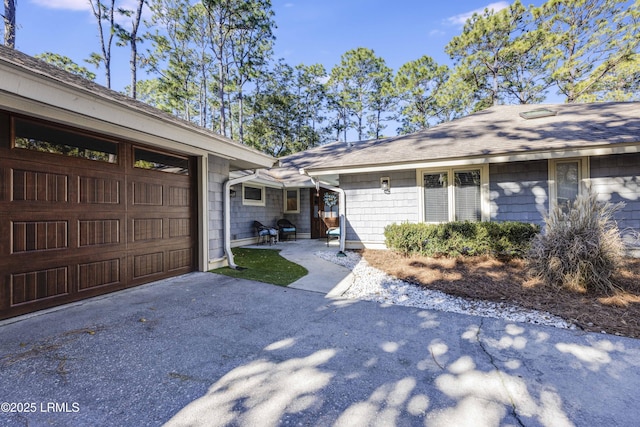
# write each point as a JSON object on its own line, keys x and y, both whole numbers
{"x": 501, "y": 239}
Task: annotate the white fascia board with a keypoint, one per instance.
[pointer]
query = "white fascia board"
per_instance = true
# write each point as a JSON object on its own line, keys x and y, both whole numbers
{"x": 505, "y": 158}
{"x": 45, "y": 98}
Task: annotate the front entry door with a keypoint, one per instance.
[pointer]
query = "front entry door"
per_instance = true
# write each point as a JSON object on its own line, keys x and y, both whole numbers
{"x": 318, "y": 228}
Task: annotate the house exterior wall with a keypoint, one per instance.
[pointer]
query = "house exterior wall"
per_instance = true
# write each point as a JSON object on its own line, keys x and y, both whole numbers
{"x": 217, "y": 174}
{"x": 519, "y": 191}
{"x": 242, "y": 216}
{"x": 302, "y": 220}
{"x": 369, "y": 209}
{"x": 616, "y": 178}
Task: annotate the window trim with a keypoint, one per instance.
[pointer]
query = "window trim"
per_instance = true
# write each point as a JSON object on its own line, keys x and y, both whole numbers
{"x": 252, "y": 202}
{"x": 485, "y": 206}
{"x": 584, "y": 174}
{"x": 284, "y": 198}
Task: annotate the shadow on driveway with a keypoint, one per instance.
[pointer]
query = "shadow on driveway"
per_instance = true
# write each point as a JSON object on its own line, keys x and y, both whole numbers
{"x": 208, "y": 350}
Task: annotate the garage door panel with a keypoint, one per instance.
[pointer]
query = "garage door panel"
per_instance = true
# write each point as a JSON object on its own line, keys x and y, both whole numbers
{"x": 31, "y": 185}
{"x": 37, "y": 285}
{"x": 97, "y": 274}
{"x": 181, "y": 259}
{"x": 39, "y": 236}
{"x": 93, "y": 233}
{"x": 99, "y": 190}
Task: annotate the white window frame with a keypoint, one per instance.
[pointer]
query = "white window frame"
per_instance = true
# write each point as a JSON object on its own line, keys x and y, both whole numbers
{"x": 284, "y": 197}
{"x": 485, "y": 206}
{"x": 584, "y": 174}
{"x": 252, "y": 202}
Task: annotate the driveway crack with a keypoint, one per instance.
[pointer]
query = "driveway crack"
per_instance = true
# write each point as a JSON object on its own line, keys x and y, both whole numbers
{"x": 514, "y": 407}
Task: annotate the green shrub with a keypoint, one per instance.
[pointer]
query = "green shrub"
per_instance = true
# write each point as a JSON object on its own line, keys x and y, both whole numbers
{"x": 500, "y": 239}
{"x": 581, "y": 247}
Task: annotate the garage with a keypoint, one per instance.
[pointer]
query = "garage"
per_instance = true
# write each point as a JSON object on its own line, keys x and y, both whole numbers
{"x": 82, "y": 214}
{"x": 100, "y": 192}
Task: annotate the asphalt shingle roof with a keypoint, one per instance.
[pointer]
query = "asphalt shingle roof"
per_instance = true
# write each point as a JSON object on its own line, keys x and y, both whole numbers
{"x": 495, "y": 131}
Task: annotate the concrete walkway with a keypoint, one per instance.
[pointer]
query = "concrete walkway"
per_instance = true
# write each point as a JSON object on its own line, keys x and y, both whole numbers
{"x": 324, "y": 277}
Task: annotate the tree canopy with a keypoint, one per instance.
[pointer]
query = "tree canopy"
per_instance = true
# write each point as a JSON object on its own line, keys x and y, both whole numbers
{"x": 212, "y": 62}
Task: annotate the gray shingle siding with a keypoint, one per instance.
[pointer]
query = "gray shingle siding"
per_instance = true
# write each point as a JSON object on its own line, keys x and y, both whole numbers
{"x": 217, "y": 175}
{"x": 370, "y": 210}
{"x": 616, "y": 178}
{"x": 242, "y": 216}
{"x": 519, "y": 191}
{"x": 301, "y": 220}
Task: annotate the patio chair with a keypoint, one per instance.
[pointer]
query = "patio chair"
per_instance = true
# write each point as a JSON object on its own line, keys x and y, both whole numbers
{"x": 265, "y": 234}
{"x": 287, "y": 229}
{"x": 333, "y": 227}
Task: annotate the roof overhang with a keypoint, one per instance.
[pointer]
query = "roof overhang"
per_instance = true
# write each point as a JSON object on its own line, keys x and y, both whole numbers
{"x": 600, "y": 150}
{"x": 39, "y": 95}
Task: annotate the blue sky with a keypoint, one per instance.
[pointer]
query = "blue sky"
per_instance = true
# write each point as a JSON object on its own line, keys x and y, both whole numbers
{"x": 309, "y": 31}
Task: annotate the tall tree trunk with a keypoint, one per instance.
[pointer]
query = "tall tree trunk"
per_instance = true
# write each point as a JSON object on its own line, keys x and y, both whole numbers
{"x": 133, "y": 60}
{"x": 240, "y": 117}
{"x": 230, "y": 121}
{"x": 99, "y": 11}
{"x": 10, "y": 23}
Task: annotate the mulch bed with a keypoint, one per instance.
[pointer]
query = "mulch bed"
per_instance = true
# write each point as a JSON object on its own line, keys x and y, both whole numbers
{"x": 485, "y": 278}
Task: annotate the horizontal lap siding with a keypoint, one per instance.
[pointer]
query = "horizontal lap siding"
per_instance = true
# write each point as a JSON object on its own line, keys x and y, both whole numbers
{"x": 370, "y": 209}
{"x": 302, "y": 220}
{"x": 616, "y": 178}
{"x": 519, "y": 191}
{"x": 242, "y": 216}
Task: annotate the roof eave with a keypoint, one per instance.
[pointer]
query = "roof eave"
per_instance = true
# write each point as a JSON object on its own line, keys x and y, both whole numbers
{"x": 558, "y": 153}
{"x": 39, "y": 95}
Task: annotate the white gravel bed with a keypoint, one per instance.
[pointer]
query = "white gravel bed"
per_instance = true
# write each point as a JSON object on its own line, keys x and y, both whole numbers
{"x": 372, "y": 284}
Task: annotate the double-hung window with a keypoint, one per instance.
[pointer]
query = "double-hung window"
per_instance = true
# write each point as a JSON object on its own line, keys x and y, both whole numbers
{"x": 454, "y": 194}
{"x": 565, "y": 179}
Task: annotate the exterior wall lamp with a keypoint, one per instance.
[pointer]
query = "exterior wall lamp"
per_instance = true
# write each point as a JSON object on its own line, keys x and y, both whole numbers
{"x": 385, "y": 184}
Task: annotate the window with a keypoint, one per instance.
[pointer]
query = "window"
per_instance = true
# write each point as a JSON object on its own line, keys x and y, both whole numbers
{"x": 436, "y": 198}
{"x": 253, "y": 195}
{"x": 565, "y": 179}
{"x": 454, "y": 194}
{"x": 467, "y": 195}
{"x": 292, "y": 201}
{"x": 152, "y": 160}
{"x": 32, "y": 135}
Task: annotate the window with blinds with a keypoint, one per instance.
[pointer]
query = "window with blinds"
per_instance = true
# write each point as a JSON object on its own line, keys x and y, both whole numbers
{"x": 436, "y": 198}
{"x": 467, "y": 196}
{"x": 452, "y": 195}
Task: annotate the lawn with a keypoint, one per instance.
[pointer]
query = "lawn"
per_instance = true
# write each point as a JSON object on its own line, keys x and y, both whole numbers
{"x": 485, "y": 278}
{"x": 263, "y": 265}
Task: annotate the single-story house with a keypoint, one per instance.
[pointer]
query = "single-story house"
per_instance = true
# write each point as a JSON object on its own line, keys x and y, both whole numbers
{"x": 506, "y": 163}
{"x": 99, "y": 192}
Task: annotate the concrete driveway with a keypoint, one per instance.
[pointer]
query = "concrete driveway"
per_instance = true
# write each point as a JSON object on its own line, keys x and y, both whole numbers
{"x": 208, "y": 350}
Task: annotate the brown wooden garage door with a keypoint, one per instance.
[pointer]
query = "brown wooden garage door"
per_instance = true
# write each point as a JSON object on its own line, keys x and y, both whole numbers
{"x": 82, "y": 215}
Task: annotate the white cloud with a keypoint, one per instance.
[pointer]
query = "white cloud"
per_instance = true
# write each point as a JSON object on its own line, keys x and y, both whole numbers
{"x": 64, "y": 4}
{"x": 80, "y": 4}
{"x": 83, "y": 5}
{"x": 460, "y": 19}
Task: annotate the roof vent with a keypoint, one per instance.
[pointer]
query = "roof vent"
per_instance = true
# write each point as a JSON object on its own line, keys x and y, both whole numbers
{"x": 538, "y": 113}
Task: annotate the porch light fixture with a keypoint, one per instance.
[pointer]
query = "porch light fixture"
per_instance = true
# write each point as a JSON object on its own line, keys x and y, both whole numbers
{"x": 232, "y": 192}
{"x": 385, "y": 184}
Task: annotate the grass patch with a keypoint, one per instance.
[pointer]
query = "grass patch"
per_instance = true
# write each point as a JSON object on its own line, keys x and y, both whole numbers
{"x": 263, "y": 265}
